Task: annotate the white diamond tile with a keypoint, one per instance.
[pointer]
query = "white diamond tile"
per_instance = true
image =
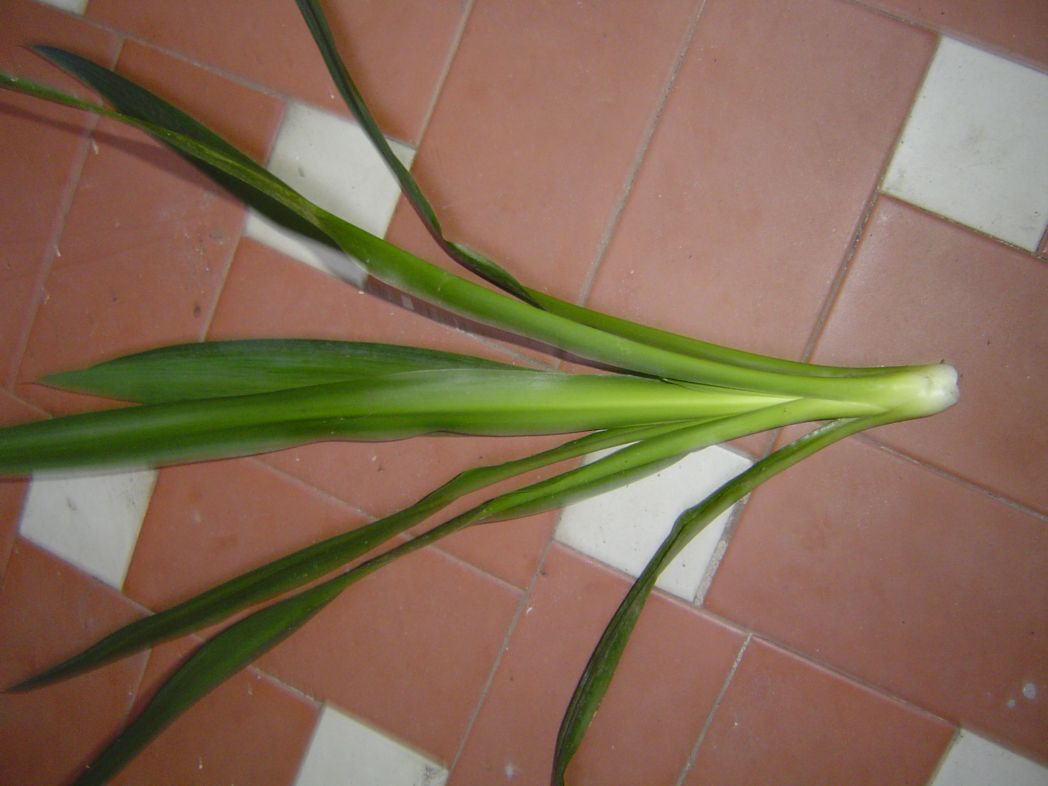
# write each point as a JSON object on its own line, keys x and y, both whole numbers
{"x": 974, "y": 761}
{"x": 346, "y": 752}
{"x": 975, "y": 148}
{"x": 330, "y": 161}
{"x": 75, "y": 6}
{"x": 624, "y": 527}
{"x": 91, "y": 520}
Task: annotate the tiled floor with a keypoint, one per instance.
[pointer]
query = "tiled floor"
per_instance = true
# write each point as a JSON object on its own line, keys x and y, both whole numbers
{"x": 855, "y": 182}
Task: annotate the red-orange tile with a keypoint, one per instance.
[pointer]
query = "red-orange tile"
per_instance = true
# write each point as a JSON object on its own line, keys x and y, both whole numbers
{"x": 760, "y": 170}
{"x": 246, "y": 117}
{"x": 43, "y": 148}
{"x": 395, "y": 51}
{"x": 48, "y": 611}
{"x": 910, "y": 580}
{"x": 1014, "y": 28}
{"x": 269, "y": 295}
{"x": 140, "y": 267}
{"x": 249, "y": 730}
{"x": 564, "y": 94}
{"x": 210, "y": 521}
{"x": 784, "y": 720}
{"x": 408, "y": 648}
{"x": 922, "y": 290}
{"x": 12, "y": 490}
{"x": 43, "y": 144}
{"x": 664, "y": 688}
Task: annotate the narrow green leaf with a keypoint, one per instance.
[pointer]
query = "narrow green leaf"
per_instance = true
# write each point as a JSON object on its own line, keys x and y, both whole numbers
{"x": 400, "y": 269}
{"x": 212, "y": 663}
{"x": 314, "y": 17}
{"x": 314, "y": 561}
{"x": 599, "y": 670}
{"x": 231, "y": 368}
{"x": 137, "y": 102}
{"x": 479, "y": 401}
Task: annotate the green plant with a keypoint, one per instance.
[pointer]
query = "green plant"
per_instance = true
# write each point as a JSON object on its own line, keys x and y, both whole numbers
{"x": 669, "y": 395}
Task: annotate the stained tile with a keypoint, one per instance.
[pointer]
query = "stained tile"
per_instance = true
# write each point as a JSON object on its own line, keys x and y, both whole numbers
{"x": 1012, "y": 27}
{"x": 973, "y": 761}
{"x": 48, "y": 611}
{"x": 396, "y": 52}
{"x": 330, "y": 161}
{"x": 408, "y": 649}
{"x": 268, "y": 295}
{"x": 344, "y": 750}
{"x": 760, "y": 170}
{"x": 624, "y": 527}
{"x": 973, "y": 148}
{"x": 19, "y": 302}
{"x": 564, "y": 113}
{"x": 250, "y": 729}
{"x": 783, "y": 720}
{"x": 922, "y": 290}
{"x": 210, "y": 521}
{"x": 91, "y": 519}
{"x": 909, "y": 580}
{"x": 664, "y": 688}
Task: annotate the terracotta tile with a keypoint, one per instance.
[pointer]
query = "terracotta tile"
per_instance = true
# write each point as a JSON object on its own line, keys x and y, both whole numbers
{"x": 47, "y": 612}
{"x": 250, "y": 729}
{"x": 783, "y": 720}
{"x": 564, "y": 111}
{"x": 44, "y": 144}
{"x": 1014, "y": 27}
{"x": 920, "y": 290}
{"x": 909, "y": 580}
{"x": 139, "y": 267}
{"x": 267, "y": 294}
{"x": 760, "y": 170}
{"x": 19, "y": 300}
{"x": 408, "y": 649}
{"x": 41, "y": 156}
{"x": 247, "y": 118}
{"x": 210, "y": 521}
{"x": 665, "y": 687}
{"x": 396, "y": 52}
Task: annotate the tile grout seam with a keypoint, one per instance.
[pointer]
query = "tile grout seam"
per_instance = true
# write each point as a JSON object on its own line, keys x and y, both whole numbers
{"x": 612, "y": 224}
{"x": 693, "y": 754}
{"x": 485, "y": 690}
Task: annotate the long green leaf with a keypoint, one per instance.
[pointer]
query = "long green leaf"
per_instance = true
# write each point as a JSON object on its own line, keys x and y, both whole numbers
{"x": 312, "y": 12}
{"x": 597, "y": 675}
{"x": 314, "y": 561}
{"x": 411, "y": 274}
{"x": 480, "y": 401}
{"x": 233, "y": 368}
{"x": 471, "y": 260}
{"x": 238, "y": 645}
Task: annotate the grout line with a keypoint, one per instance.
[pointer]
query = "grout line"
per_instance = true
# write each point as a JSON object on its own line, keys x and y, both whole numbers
{"x": 989, "y": 47}
{"x": 945, "y": 754}
{"x": 449, "y": 61}
{"x": 996, "y": 496}
{"x": 647, "y": 136}
{"x": 693, "y": 755}
{"x": 839, "y": 278}
{"x": 485, "y": 690}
